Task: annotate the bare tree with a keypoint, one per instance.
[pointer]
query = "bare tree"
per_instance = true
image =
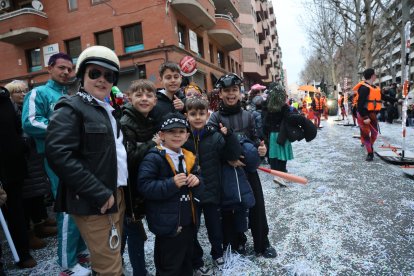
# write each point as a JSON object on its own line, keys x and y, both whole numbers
{"x": 352, "y": 34}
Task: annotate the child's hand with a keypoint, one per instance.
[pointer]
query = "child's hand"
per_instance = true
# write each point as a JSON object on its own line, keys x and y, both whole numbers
{"x": 262, "y": 149}
{"x": 237, "y": 163}
{"x": 192, "y": 180}
{"x": 180, "y": 180}
{"x": 223, "y": 129}
{"x": 108, "y": 204}
{"x": 367, "y": 121}
{"x": 178, "y": 104}
{"x": 156, "y": 139}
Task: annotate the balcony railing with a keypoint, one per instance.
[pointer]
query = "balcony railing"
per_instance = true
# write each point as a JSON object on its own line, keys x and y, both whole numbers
{"x": 226, "y": 32}
{"x": 199, "y": 12}
{"x": 24, "y": 25}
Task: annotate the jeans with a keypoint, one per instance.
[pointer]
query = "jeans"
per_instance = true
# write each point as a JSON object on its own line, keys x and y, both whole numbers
{"x": 134, "y": 236}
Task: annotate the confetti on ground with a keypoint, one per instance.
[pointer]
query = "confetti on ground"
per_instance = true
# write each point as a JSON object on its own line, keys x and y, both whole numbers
{"x": 353, "y": 218}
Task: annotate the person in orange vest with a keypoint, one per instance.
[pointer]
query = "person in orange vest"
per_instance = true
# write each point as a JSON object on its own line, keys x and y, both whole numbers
{"x": 354, "y": 106}
{"x": 317, "y": 106}
{"x": 368, "y": 105}
{"x": 341, "y": 105}
{"x": 354, "y": 113}
{"x": 304, "y": 109}
{"x": 325, "y": 107}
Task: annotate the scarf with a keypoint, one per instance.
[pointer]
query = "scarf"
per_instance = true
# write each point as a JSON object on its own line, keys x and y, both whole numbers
{"x": 229, "y": 110}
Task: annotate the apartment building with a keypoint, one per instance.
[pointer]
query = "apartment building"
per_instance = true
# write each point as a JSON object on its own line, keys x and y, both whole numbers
{"x": 143, "y": 33}
{"x": 389, "y": 64}
{"x": 261, "y": 53}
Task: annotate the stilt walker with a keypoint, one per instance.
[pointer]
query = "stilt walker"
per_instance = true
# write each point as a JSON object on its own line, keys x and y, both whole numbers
{"x": 406, "y": 84}
{"x": 407, "y": 169}
{"x": 393, "y": 154}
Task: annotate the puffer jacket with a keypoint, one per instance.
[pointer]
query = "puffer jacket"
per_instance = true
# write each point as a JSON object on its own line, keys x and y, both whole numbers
{"x": 162, "y": 197}
{"x": 239, "y": 121}
{"x": 237, "y": 192}
{"x": 138, "y": 133}
{"x": 212, "y": 149}
{"x": 36, "y": 183}
{"x": 80, "y": 148}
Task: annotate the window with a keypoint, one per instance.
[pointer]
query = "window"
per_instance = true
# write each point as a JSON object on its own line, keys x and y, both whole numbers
{"x": 200, "y": 44}
{"x": 142, "y": 71}
{"x": 73, "y": 48}
{"x": 105, "y": 39}
{"x": 73, "y": 5}
{"x": 95, "y": 2}
{"x": 181, "y": 36}
{"x": 210, "y": 49}
{"x": 133, "y": 40}
{"x": 220, "y": 59}
{"x": 33, "y": 60}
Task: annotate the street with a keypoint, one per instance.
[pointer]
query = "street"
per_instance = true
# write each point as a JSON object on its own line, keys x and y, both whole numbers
{"x": 352, "y": 218}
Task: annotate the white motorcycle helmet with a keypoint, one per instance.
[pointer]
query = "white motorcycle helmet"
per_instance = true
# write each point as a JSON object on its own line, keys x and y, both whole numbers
{"x": 99, "y": 55}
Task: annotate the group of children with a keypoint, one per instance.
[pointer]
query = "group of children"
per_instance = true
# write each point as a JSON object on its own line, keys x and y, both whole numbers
{"x": 176, "y": 152}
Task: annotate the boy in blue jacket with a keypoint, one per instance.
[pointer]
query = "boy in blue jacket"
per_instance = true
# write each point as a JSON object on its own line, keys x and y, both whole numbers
{"x": 232, "y": 116}
{"x": 212, "y": 148}
{"x": 168, "y": 181}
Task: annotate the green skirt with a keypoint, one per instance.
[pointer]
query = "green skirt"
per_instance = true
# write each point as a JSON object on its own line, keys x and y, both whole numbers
{"x": 281, "y": 152}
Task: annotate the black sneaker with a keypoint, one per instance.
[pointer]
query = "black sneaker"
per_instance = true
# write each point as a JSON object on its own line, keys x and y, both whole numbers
{"x": 269, "y": 253}
{"x": 370, "y": 157}
{"x": 241, "y": 249}
{"x": 203, "y": 271}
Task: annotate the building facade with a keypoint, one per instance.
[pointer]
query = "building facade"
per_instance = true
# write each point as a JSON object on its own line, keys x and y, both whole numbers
{"x": 143, "y": 33}
{"x": 389, "y": 64}
{"x": 261, "y": 53}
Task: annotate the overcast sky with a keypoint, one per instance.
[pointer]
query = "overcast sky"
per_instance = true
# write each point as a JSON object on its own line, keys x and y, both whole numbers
{"x": 291, "y": 36}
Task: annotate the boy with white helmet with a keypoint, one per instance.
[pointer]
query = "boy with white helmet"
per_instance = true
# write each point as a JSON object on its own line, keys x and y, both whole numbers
{"x": 84, "y": 146}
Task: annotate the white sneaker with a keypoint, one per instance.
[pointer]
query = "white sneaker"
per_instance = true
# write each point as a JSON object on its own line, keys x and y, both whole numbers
{"x": 77, "y": 270}
{"x": 280, "y": 181}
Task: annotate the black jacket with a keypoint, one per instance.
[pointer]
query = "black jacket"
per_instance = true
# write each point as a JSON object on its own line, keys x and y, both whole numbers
{"x": 237, "y": 120}
{"x": 12, "y": 160}
{"x": 138, "y": 133}
{"x": 212, "y": 148}
{"x": 36, "y": 183}
{"x": 80, "y": 148}
{"x": 273, "y": 120}
{"x": 164, "y": 105}
{"x": 162, "y": 197}
{"x": 296, "y": 127}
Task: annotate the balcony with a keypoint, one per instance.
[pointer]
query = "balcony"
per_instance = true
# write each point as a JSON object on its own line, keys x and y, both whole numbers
{"x": 258, "y": 6}
{"x": 262, "y": 50}
{"x": 24, "y": 25}
{"x": 226, "y": 33}
{"x": 226, "y": 7}
{"x": 251, "y": 69}
{"x": 199, "y": 12}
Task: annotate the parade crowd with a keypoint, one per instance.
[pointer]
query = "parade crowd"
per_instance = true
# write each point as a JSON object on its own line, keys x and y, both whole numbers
{"x": 108, "y": 161}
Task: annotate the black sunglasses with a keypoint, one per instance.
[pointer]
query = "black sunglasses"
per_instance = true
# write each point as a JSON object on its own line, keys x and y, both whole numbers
{"x": 109, "y": 76}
